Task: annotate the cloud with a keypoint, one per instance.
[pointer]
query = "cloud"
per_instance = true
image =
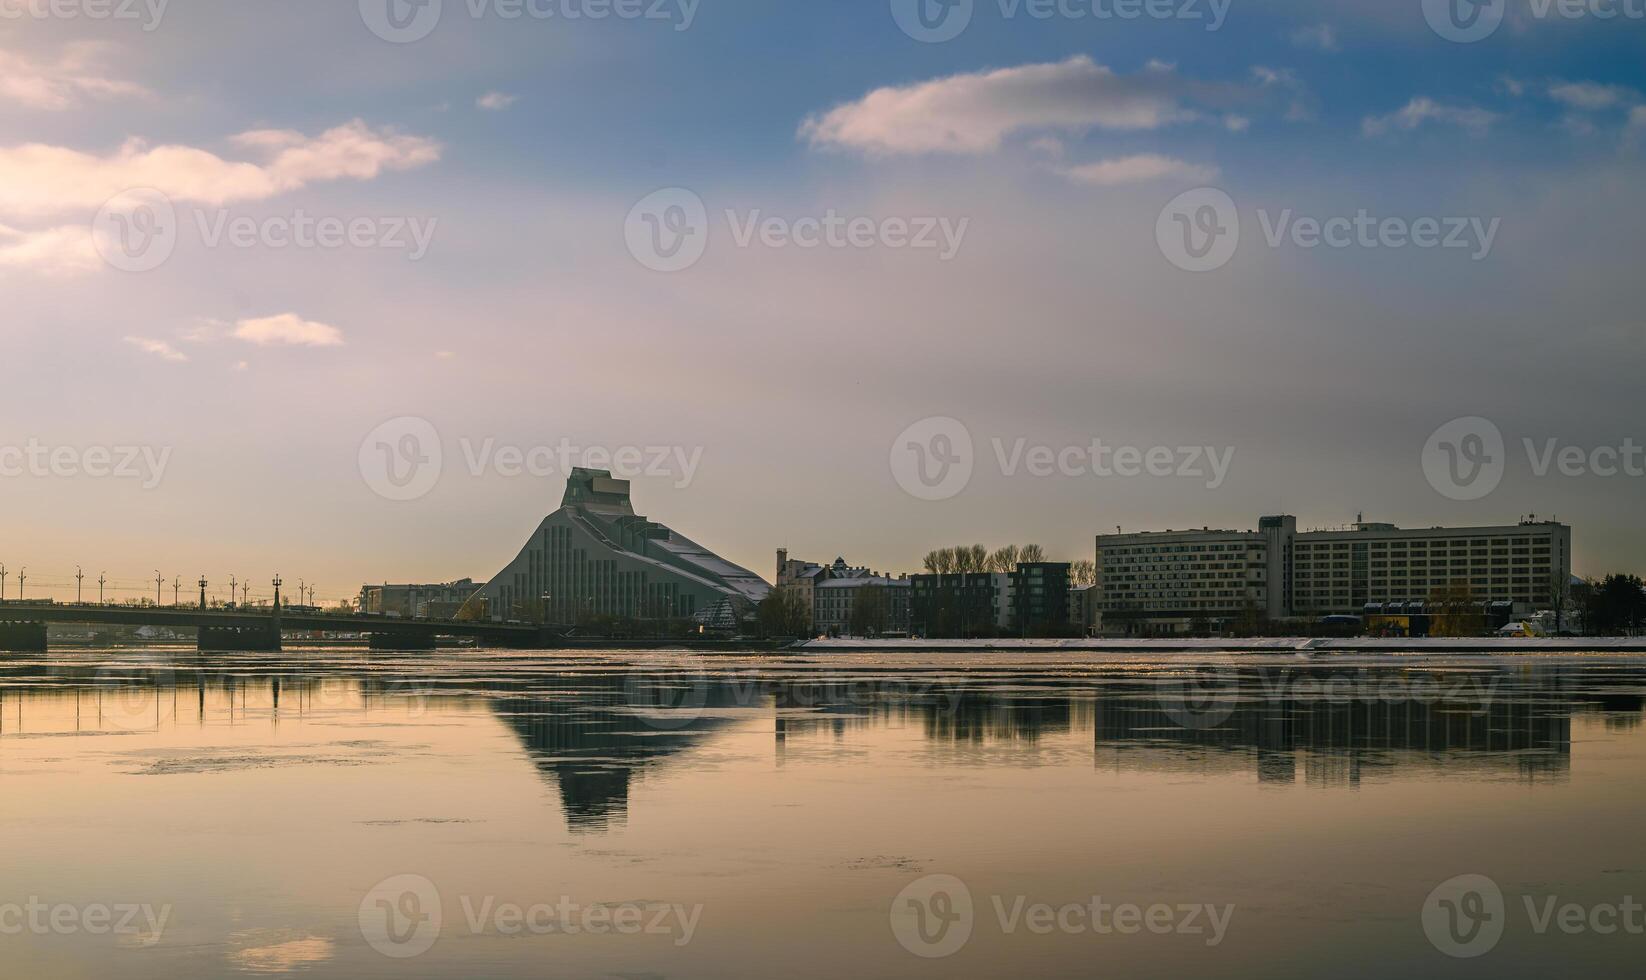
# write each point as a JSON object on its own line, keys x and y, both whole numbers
{"x": 61, "y": 84}
{"x": 1139, "y": 169}
{"x": 289, "y": 329}
{"x": 158, "y": 348}
{"x": 974, "y": 113}
{"x": 202, "y": 330}
{"x": 1300, "y": 102}
{"x": 1422, "y": 110}
{"x": 39, "y": 179}
{"x": 1589, "y": 96}
{"x": 1319, "y": 36}
{"x": 63, "y": 251}
{"x": 495, "y": 101}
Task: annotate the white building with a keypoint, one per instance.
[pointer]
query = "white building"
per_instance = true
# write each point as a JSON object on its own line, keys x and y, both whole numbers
{"x": 1163, "y": 581}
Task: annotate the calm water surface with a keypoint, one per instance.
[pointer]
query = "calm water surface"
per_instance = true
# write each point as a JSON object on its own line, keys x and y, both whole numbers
{"x": 333, "y": 814}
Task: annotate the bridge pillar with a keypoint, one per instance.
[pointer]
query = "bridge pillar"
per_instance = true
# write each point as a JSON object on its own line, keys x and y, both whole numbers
{"x": 393, "y": 642}
{"x": 23, "y": 637}
{"x": 239, "y": 639}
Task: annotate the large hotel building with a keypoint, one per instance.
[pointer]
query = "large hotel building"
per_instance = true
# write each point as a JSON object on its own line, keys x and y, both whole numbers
{"x": 1167, "y": 580}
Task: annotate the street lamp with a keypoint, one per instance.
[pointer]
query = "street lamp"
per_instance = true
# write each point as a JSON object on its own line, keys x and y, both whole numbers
{"x": 101, "y": 578}
{"x": 78, "y": 575}
{"x": 159, "y": 581}
{"x": 22, "y": 576}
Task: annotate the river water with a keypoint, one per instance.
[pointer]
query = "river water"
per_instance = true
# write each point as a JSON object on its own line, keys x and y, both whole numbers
{"x": 331, "y": 813}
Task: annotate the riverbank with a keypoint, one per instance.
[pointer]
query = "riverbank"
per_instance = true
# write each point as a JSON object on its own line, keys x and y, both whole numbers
{"x": 1484, "y": 644}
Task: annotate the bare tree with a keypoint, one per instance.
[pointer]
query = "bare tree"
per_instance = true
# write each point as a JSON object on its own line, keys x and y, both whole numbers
{"x": 1083, "y": 573}
{"x": 1031, "y": 553}
{"x": 1004, "y": 559}
{"x": 941, "y": 561}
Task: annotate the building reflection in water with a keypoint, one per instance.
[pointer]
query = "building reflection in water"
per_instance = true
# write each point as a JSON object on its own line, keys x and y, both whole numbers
{"x": 1333, "y": 727}
{"x": 592, "y": 729}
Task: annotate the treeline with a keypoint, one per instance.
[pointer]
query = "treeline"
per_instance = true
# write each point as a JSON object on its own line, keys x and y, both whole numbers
{"x": 1614, "y": 604}
{"x": 963, "y": 559}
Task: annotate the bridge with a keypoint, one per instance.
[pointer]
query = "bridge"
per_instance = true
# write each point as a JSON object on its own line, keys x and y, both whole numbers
{"x": 23, "y": 626}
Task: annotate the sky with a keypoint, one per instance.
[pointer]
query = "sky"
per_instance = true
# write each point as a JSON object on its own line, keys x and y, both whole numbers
{"x": 339, "y": 289}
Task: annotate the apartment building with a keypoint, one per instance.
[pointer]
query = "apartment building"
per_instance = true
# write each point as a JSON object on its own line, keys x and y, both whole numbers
{"x": 1165, "y": 581}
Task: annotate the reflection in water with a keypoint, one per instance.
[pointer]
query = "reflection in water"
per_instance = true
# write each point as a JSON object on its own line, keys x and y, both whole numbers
{"x": 794, "y": 799}
{"x": 592, "y": 729}
{"x": 593, "y": 734}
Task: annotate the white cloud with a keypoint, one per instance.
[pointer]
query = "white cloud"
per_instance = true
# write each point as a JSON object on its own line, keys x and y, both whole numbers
{"x": 1236, "y": 124}
{"x": 202, "y": 330}
{"x": 1422, "y": 110}
{"x": 1139, "y": 169}
{"x": 39, "y": 179}
{"x": 63, "y": 83}
{"x": 158, "y": 348}
{"x": 1590, "y": 96}
{"x": 495, "y": 101}
{"x": 974, "y": 113}
{"x": 289, "y": 329}
{"x": 1320, "y": 36}
{"x": 62, "y": 251}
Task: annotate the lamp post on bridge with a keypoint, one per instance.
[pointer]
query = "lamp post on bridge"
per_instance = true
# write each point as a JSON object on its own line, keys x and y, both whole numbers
{"x": 159, "y": 580}
{"x": 2, "y": 583}
{"x": 177, "y": 590}
{"x": 22, "y": 576}
{"x": 101, "y": 578}
{"x": 202, "y": 593}
{"x": 245, "y": 592}
{"x": 78, "y": 575}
